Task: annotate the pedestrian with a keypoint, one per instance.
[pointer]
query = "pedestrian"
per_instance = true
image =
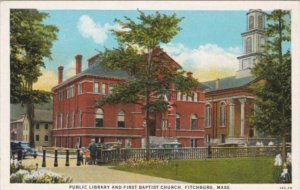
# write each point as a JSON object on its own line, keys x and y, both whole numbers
{"x": 93, "y": 151}
{"x": 80, "y": 158}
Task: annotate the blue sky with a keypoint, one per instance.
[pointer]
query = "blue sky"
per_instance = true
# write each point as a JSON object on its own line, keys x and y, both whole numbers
{"x": 208, "y": 43}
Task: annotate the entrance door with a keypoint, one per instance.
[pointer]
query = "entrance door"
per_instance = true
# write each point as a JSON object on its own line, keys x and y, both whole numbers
{"x": 152, "y": 124}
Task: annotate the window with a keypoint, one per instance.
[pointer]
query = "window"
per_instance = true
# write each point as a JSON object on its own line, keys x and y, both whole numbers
{"x": 80, "y": 119}
{"x": 60, "y": 95}
{"x": 194, "y": 143}
{"x": 46, "y": 126}
{"x": 70, "y": 91}
{"x": 103, "y": 88}
{"x": 79, "y": 88}
{"x": 184, "y": 97}
{"x": 96, "y": 87}
{"x": 37, "y": 126}
{"x": 37, "y": 138}
{"x": 207, "y": 139}
{"x": 61, "y": 120}
{"x": 195, "y": 97}
{"x": 222, "y": 138}
{"x": 248, "y": 45}
{"x": 73, "y": 119}
{"x": 46, "y": 138}
{"x": 121, "y": 119}
{"x": 178, "y": 95}
{"x": 99, "y": 118}
{"x": 222, "y": 114}
{"x": 260, "y": 21}
{"x": 177, "y": 121}
{"x": 251, "y": 22}
{"x": 207, "y": 116}
{"x": 110, "y": 88}
{"x": 56, "y": 120}
{"x": 67, "y": 120}
{"x": 193, "y": 122}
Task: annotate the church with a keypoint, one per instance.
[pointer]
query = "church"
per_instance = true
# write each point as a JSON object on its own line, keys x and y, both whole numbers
{"x": 229, "y": 102}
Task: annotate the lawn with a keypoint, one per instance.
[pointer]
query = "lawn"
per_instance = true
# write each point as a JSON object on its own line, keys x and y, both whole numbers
{"x": 223, "y": 170}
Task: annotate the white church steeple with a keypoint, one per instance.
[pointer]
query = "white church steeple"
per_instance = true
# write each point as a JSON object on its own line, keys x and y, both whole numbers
{"x": 253, "y": 40}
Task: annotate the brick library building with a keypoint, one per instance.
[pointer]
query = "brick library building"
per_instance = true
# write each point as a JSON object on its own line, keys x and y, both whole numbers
{"x": 77, "y": 119}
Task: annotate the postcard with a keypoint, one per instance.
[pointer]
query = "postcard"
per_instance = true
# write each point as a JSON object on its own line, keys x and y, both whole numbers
{"x": 146, "y": 95}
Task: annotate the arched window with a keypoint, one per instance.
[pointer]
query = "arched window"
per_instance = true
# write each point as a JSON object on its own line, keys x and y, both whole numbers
{"x": 80, "y": 119}
{"x": 67, "y": 120}
{"x": 121, "y": 119}
{"x": 73, "y": 119}
{"x": 99, "y": 118}
{"x": 222, "y": 114}
{"x": 260, "y": 21}
{"x": 193, "y": 122}
{"x": 207, "y": 116}
{"x": 248, "y": 45}
{"x": 177, "y": 121}
{"x": 251, "y": 22}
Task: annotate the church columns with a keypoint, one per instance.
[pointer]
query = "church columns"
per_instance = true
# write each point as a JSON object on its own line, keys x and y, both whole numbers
{"x": 231, "y": 118}
{"x": 242, "y": 101}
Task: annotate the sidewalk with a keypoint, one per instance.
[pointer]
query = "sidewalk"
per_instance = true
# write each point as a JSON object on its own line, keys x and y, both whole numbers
{"x": 95, "y": 173}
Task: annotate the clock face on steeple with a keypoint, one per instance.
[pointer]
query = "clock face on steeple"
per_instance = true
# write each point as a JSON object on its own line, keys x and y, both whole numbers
{"x": 253, "y": 41}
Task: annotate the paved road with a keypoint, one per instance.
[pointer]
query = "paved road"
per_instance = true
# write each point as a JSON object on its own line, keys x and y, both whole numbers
{"x": 95, "y": 173}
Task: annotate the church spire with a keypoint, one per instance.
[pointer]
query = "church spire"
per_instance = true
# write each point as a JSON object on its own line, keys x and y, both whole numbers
{"x": 253, "y": 40}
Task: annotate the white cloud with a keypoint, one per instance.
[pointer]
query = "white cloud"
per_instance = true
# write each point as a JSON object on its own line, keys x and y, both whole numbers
{"x": 207, "y": 62}
{"x": 47, "y": 81}
{"x": 88, "y": 28}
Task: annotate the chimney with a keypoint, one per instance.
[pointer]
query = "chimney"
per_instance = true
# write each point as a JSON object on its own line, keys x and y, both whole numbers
{"x": 217, "y": 84}
{"x": 189, "y": 74}
{"x": 78, "y": 63}
{"x": 60, "y": 74}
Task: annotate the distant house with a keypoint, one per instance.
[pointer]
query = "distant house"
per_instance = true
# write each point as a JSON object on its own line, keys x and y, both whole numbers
{"x": 19, "y": 128}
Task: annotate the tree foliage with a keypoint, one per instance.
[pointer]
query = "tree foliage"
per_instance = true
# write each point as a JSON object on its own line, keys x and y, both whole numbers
{"x": 273, "y": 92}
{"x": 30, "y": 43}
{"x": 152, "y": 72}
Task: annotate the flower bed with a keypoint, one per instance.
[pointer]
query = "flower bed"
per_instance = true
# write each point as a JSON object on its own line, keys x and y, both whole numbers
{"x": 23, "y": 174}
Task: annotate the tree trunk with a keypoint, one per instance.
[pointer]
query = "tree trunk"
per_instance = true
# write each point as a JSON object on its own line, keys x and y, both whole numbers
{"x": 148, "y": 128}
{"x": 283, "y": 149}
{"x": 30, "y": 116}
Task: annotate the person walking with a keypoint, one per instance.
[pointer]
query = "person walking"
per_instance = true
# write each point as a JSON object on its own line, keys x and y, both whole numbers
{"x": 93, "y": 151}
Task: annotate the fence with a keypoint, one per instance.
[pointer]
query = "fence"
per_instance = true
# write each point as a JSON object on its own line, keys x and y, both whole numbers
{"x": 104, "y": 156}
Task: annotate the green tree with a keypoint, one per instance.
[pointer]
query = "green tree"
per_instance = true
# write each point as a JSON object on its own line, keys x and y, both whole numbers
{"x": 30, "y": 42}
{"x": 152, "y": 73}
{"x": 273, "y": 92}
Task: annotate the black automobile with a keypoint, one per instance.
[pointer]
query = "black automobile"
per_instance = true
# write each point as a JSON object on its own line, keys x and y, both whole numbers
{"x": 15, "y": 146}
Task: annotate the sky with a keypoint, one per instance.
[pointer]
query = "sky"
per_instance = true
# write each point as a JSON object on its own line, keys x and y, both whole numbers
{"x": 207, "y": 45}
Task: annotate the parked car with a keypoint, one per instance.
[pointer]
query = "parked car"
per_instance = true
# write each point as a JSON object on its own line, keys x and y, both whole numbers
{"x": 15, "y": 146}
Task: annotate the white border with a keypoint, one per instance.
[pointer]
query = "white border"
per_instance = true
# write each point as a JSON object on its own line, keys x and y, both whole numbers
{"x": 145, "y": 5}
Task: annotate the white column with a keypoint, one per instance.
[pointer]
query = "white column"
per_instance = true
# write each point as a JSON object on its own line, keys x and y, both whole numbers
{"x": 242, "y": 101}
{"x": 231, "y": 118}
